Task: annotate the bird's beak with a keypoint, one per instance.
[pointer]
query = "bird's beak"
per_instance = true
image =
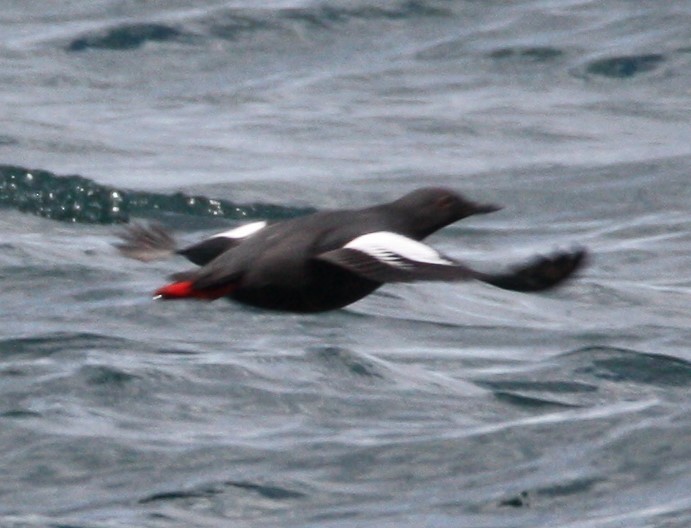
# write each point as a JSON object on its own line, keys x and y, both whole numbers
{"x": 485, "y": 208}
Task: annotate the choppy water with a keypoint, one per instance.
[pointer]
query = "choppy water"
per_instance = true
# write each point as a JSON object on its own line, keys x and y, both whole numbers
{"x": 422, "y": 405}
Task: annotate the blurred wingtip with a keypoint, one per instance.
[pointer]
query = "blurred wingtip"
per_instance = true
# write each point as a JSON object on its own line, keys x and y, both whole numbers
{"x": 145, "y": 242}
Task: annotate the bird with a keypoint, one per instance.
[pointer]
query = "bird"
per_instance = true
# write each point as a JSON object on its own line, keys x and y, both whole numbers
{"x": 332, "y": 258}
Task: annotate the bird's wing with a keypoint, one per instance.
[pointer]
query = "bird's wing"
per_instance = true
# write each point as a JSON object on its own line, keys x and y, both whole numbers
{"x": 389, "y": 257}
{"x": 205, "y": 251}
{"x": 383, "y": 256}
{"x": 154, "y": 242}
{"x": 146, "y": 243}
{"x": 541, "y": 273}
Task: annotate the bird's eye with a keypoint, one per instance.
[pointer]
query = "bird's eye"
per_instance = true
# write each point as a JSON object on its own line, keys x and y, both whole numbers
{"x": 445, "y": 202}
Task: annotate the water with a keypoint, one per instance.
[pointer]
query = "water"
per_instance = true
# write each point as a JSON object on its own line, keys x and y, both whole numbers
{"x": 422, "y": 405}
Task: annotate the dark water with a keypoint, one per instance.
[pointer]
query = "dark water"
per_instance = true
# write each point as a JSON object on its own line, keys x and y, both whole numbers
{"x": 423, "y": 405}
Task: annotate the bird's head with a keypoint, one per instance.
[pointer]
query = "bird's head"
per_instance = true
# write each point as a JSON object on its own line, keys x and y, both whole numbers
{"x": 431, "y": 208}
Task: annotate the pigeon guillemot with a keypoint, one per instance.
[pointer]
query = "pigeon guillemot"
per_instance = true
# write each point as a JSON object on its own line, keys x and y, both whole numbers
{"x": 330, "y": 259}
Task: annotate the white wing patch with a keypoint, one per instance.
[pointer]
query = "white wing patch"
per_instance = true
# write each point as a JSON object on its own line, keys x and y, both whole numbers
{"x": 243, "y": 231}
{"x": 396, "y": 250}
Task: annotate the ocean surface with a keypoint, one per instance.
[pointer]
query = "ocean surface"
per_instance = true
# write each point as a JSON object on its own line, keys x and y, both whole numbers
{"x": 423, "y": 405}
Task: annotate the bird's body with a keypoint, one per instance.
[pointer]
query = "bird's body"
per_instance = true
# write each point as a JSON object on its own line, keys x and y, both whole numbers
{"x": 287, "y": 276}
{"x": 330, "y": 259}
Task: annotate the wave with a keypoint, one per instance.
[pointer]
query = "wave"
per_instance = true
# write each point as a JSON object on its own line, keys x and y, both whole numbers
{"x": 129, "y": 36}
{"x": 234, "y": 24}
{"x": 531, "y": 53}
{"x": 622, "y": 67}
{"x": 45, "y": 345}
{"x": 587, "y": 376}
{"x": 271, "y": 492}
{"x": 79, "y": 199}
{"x": 622, "y": 365}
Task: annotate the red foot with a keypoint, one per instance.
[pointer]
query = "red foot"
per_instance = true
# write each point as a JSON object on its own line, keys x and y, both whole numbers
{"x": 186, "y": 290}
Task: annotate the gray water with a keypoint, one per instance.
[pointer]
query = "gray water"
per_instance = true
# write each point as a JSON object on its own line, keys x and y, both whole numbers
{"x": 428, "y": 405}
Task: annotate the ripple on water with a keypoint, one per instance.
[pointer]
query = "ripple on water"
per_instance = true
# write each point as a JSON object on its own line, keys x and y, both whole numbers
{"x": 625, "y": 66}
